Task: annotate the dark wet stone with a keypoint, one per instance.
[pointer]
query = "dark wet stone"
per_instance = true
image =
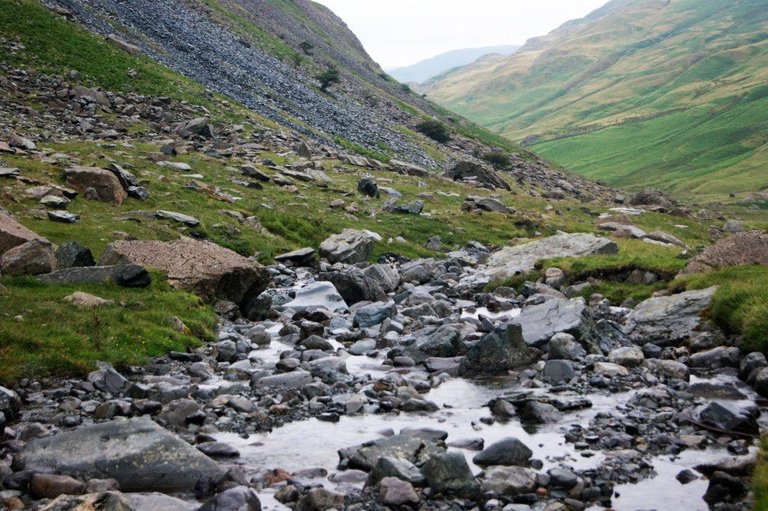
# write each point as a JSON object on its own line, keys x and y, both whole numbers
{"x": 508, "y": 451}
{"x": 125, "y": 275}
{"x": 449, "y": 474}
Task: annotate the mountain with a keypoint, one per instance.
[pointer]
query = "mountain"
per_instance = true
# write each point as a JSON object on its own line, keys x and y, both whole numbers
{"x": 433, "y": 66}
{"x": 667, "y": 93}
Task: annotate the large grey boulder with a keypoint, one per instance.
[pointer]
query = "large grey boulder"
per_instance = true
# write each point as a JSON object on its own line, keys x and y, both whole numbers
{"x": 137, "y": 453}
{"x": 350, "y": 246}
{"x": 10, "y": 403}
{"x": 509, "y": 480}
{"x": 521, "y": 259}
{"x": 556, "y": 315}
{"x": 444, "y": 341}
{"x": 406, "y": 447}
{"x": 239, "y": 498}
{"x": 355, "y": 286}
{"x": 475, "y": 173}
{"x": 668, "y": 320}
{"x": 498, "y": 352}
{"x": 125, "y": 275}
{"x": 208, "y": 270}
{"x": 316, "y": 295}
{"x": 507, "y": 451}
{"x": 448, "y": 473}
{"x": 73, "y": 255}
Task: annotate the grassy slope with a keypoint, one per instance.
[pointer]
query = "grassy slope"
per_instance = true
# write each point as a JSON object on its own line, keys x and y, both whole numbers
{"x": 643, "y": 96}
{"x": 55, "y": 338}
{"x": 127, "y": 334}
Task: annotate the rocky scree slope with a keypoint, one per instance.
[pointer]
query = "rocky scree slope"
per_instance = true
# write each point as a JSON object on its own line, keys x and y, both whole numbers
{"x": 252, "y": 51}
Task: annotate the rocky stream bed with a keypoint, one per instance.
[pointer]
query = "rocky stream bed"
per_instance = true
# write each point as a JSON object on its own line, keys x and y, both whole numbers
{"x": 404, "y": 385}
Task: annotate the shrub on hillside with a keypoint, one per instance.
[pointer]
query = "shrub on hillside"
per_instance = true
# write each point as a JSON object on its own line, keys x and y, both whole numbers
{"x": 499, "y": 161}
{"x": 434, "y": 130}
{"x": 328, "y": 77}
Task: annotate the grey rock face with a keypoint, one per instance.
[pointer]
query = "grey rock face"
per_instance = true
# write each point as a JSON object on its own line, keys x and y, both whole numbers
{"x": 137, "y": 453}
{"x": 73, "y": 254}
{"x": 668, "y": 320}
{"x": 521, "y": 259}
{"x": 558, "y": 371}
{"x": 541, "y": 322}
{"x": 410, "y": 448}
{"x": 449, "y": 473}
{"x": 350, "y": 246}
{"x": 239, "y": 498}
{"x": 374, "y": 314}
{"x": 509, "y": 480}
{"x": 498, "y": 352}
{"x": 318, "y": 294}
{"x": 354, "y": 286}
{"x": 564, "y": 346}
{"x": 508, "y": 451}
{"x": 125, "y": 275}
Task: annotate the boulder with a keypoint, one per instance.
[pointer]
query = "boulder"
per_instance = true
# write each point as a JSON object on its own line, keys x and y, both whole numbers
{"x": 411, "y": 448}
{"x": 107, "y": 185}
{"x": 368, "y": 186}
{"x": 125, "y": 275}
{"x": 208, "y": 270}
{"x": 10, "y": 403}
{"x": 350, "y": 246}
{"x": 564, "y": 346}
{"x": 13, "y": 234}
{"x": 198, "y": 126}
{"x": 558, "y": 371}
{"x": 374, "y": 314}
{"x": 321, "y": 295}
{"x": 498, "y": 352}
{"x": 630, "y": 356}
{"x": 32, "y": 258}
{"x": 123, "y": 44}
{"x": 81, "y": 299}
{"x": 137, "y": 453}
{"x": 178, "y": 217}
{"x": 507, "y": 451}
{"x": 50, "y": 486}
{"x": 728, "y": 416}
{"x": 72, "y": 254}
{"x": 668, "y": 320}
{"x": 556, "y": 315}
{"x": 653, "y": 197}
{"x": 395, "y": 467}
{"x": 303, "y": 257}
{"x": 521, "y": 259}
{"x": 509, "y": 481}
{"x": 384, "y": 275}
{"x": 355, "y": 286}
{"x": 397, "y": 493}
{"x": 740, "y": 249}
{"x": 239, "y": 498}
{"x": 449, "y": 474}
{"x": 476, "y": 173}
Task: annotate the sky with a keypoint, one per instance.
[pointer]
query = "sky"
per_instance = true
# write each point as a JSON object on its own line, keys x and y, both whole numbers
{"x": 398, "y": 33}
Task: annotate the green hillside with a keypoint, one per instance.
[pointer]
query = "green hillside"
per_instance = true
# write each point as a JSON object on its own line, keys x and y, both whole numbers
{"x": 641, "y": 92}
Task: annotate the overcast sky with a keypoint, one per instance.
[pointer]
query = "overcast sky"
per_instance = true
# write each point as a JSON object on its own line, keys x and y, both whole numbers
{"x": 401, "y": 32}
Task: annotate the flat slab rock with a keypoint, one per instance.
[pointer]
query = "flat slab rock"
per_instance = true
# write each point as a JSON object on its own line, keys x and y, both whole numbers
{"x": 138, "y": 453}
{"x": 521, "y": 259}
{"x": 126, "y": 275}
{"x": 541, "y": 322}
{"x": 208, "y": 270}
{"x": 668, "y": 320}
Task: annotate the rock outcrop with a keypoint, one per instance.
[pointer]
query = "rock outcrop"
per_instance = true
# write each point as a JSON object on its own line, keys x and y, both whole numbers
{"x": 210, "y": 271}
{"x": 137, "y": 453}
{"x": 521, "y": 259}
{"x": 743, "y": 248}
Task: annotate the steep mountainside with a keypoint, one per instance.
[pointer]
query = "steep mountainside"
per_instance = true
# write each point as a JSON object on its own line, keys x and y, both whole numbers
{"x": 434, "y": 66}
{"x": 640, "y": 92}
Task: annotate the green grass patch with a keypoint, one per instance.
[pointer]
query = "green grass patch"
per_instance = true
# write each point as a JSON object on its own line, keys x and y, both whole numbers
{"x": 56, "y": 338}
{"x": 633, "y": 255}
{"x": 740, "y": 306}
{"x": 760, "y": 478}
{"x": 362, "y": 150}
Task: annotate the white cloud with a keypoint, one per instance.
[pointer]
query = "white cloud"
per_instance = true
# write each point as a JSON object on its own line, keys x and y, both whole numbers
{"x": 401, "y": 32}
